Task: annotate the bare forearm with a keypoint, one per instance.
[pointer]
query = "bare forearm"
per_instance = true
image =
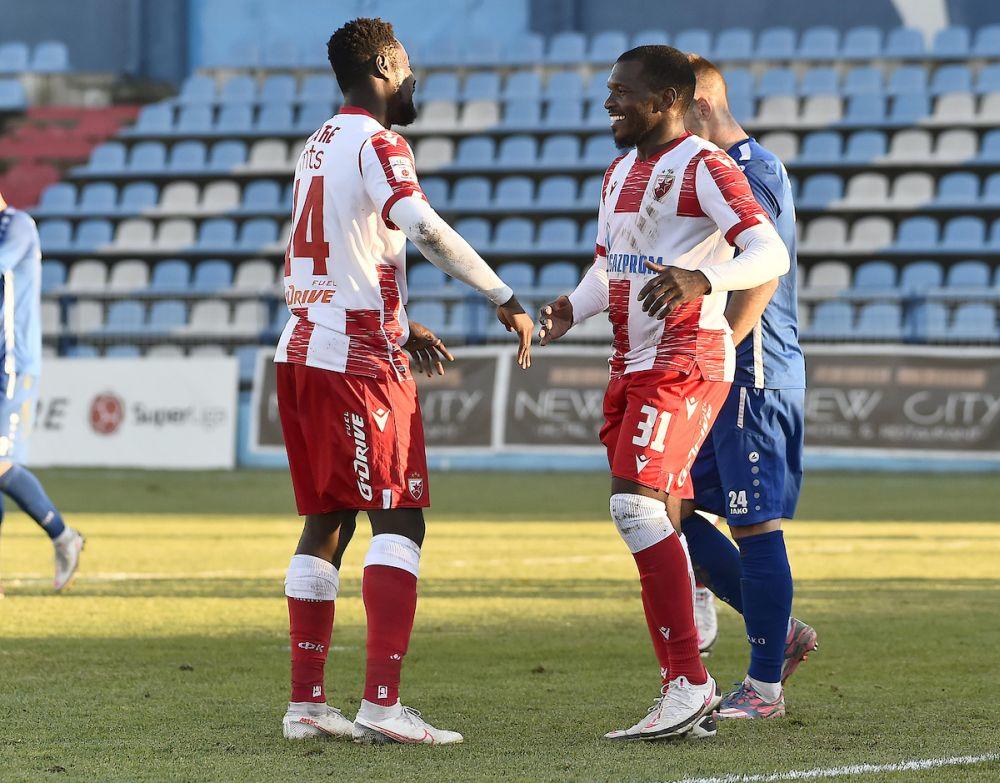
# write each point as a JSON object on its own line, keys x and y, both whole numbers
{"x": 746, "y": 307}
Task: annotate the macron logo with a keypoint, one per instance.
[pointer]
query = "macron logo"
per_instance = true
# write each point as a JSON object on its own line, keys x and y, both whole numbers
{"x": 692, "y": 405}
{"x": 381, "y": 416}
{"x": 640, "y": 463}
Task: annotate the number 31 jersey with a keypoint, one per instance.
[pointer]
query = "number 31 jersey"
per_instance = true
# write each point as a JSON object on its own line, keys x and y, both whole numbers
{"x": 345, "y": 266}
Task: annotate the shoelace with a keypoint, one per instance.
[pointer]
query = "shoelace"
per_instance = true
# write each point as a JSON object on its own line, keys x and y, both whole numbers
{"x": 742, "y": 695}
{"x": 656, "y": 704}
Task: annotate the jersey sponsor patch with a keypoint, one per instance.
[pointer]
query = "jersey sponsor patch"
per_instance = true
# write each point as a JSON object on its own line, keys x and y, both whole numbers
{"x": 402, "y": 169}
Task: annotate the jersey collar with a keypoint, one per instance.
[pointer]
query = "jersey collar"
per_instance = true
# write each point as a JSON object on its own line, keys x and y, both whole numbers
{"x": 665, "y": 150}
{"x": 734, "y": 151}
{"x": 356, "y": 110}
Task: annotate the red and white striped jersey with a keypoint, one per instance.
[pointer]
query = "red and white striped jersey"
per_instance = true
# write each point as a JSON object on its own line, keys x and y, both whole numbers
{"x": 683, "y": 207}
{"x": 345, "y": 266}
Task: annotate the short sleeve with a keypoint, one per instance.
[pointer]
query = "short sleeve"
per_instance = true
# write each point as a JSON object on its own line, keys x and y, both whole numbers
{"x": 762, "y": 185}
{"x": 388, "y": 171}
{"x": 724, "y": 195}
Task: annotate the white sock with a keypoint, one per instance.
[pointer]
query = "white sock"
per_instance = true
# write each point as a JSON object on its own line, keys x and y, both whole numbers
{"x": 771, "y": 691}
{"x": 641, "y": 521}
{"x": 311, "y": 579}
{"x": 376, "y": 712}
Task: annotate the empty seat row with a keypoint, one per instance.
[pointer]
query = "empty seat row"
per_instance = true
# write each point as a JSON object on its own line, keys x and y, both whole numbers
{"x": 254, "y": 276}
{"x": 914, "y": 234}
{"x": 46, "y": 57}
{"x": 555, "y": 276}
{"x": 912, "y": 145}
{"x": 113, "y": 157}
{"x": 129, "y": 316}
{"x": 221, "y": 234}
{"x": 828, "y": 278}
{"x": 162, "y": 119}
{"x": 956, "y": 189}
{"x": 970, "y": 321}
{"x": 199, "y": 89}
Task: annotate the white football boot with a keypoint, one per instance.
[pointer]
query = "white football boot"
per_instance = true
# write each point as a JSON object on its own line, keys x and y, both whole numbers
{"x": 377, "y": 725}
{"x": 68, "y": 546}
{"x": 681, "y": 710}
{"x": 705, "y": 619}
{"x": 309, "y": 720}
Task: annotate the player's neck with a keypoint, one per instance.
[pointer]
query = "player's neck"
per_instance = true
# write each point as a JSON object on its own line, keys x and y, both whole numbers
{"x": 728, "y": 134}
{"x": 3, "y": 204}
{"x": 659, "y": 138}
{"x": 371, "y": 102}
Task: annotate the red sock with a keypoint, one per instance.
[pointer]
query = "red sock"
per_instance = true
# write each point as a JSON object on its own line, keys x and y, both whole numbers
{"x": 664, "y": 577}
{"x": 310, "y": 625}
{"x": 390, "y": 596}
{"x": 659, "y": 643}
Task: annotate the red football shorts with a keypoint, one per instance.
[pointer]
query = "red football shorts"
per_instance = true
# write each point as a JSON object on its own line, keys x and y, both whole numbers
{"x": 654, "y": 424}
{"x": 352, "y": 442}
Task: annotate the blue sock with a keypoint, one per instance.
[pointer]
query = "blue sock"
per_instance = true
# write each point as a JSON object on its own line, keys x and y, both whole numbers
{"x": 716, "y": 559}
{"x": 21, "y": 484}
{"x": 767, "y": 602}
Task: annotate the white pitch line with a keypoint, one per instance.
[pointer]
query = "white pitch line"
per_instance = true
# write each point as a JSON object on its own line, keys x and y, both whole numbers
{"x": 853, "y": 769}
{"x": 17, "y": 580}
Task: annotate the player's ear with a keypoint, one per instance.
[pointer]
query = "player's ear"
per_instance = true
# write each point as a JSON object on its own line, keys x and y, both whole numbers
{"x": 384, "y": 66}
{"x": 668, "y": 98}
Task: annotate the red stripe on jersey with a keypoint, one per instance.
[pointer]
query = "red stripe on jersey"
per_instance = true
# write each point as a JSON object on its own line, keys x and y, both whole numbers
{"x": 678, "y": 343}
{"x": 634, "y": 187}
{"x": 687, "y": 199}
{"x": 600, "y": 250}
{"x": 366, "y": 351}
{"x": 733, "y": 185}
{"x": 391, "y": 308}
{"x": 618, "y": 301}
{"x": 298, "y": 343}
{"x": 607, "y": 176}
{"x": 388, "y": 145}
{"x": 743, "y": 225}
{"x": 711, "y": 354}
{"x": 403, "y": 193}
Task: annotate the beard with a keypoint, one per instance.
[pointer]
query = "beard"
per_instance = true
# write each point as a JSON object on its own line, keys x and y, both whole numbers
{"x": 406, "y": 113}
{"x": 633, "y": 133}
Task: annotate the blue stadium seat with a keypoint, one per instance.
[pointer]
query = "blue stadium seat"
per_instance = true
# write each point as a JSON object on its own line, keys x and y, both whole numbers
{"x": 588, "y": 234}
{"x": 197, "y": 89}
{"x": 651, "y": 37}
{"x": 605, "y": 47}
{"x": 312, "y": 115}
{"x": 439, "y": 87}
{"x": 590, "y": 191}
{"x": 908, "y": 80}
{"x": 987, "y": 42}
{"x": 187, "y": 156}
{"x": 918, "y": 276}
{"x": 989, "y": 148}
{"x": 562, "y": 85}
{"x": 560, "y": 151}
{"x": 600, "y": 151}
{"x": 261, "y": 195}
{"x": 951, "y": 78}
{"x": 425, "y": 278}
{"x": 820, "y": 81}
{"x": 776, "y": 43}
{"x": 697, "y": 41}
{"x": 991, "y": 189}
{"x": 440, "y": 51}
{"x": 55, "y": 235}
{"x": 212, "y": 275}
{"x": 125, "y": 316}
{"x": 865, "y": 110}
{"x": 318, "y": 88}
{"x": 832, "y": 319}
{"x": 522, "y": 84}
{"x": 237, "y": 118}
{"x": 874, "y": 276}
{"x": 481, "y": 85}
{"x": 171, "y": 275}
{"x": 50, "y": 57}
{"x": 246, "y": 358}
{"x": 57, "y": 198}
{"x": 281, "y": 53}
{"x": 909, "y": 109}
{"x": 217, "y": 233}
{"x": 517, "y": 274}
{"x": 821, "y": 147}
{"x": 227, "y": 155}
{"x": 958, "y": 187}
{"x": 819, "y": 43}
{"x": 881, "y": 320}
{"x": 475, "y": 231}
{"x": 257, "y": 233}
{"x": 739, "y": 81}
{"x": 481, "y": 51}
{"x": 558, "y": 277}
{"x": 968, "y": 274}
{"x": 557, "y": 191}
{"x": 122, "y": 351}
{"x": 904, "y": 43}
{"x": 928, "y": 321}
{"x": 435, "y": 190}
{"x": 517, "y": 151}
{"x": 471, "y": 193}
{"x": 988, "y": 80}
{"x": 862, "y": 43}
{"x": 278, "y": 88}
{"x": 166, "y": 315}
{"x": 274, "y": 118}
{"x": 863, "y": 80}
{"x": 475, "y": 151}
{"x": 735, "y": 44}
{"x": 280, "y": 317}
{"x": 53, "y": 275}
{"x": 777, "y": 81}
{"x": 98, "y": 198}
{"x": 917, "y": 233}
{"x": 137, "y": 197}
{"x": 557, "y": 234}
{"x": 148, "y": 156}
{"x": 514, "y": 234}
{"x": 514, "y": 193}
{"x": 597, "y": 87}
{"x": 12, "y": 96}
{"x": 239, "y": 89}
{"x": 82, "y": 351}
{"x": 964, "y": 233}
{"x": 525, "y": 49}
{"x": 951, "y": 43}
{"x": 566, "y": 48}
{"x": 108, "y": 157}
{"x": 155, "y": 119}
{"x": 821, "y": 190}
{"x": 523, "y": 113}
{"x": 742, "y": 108}
{"x": 974, "y": 321}
{"x": 565, "y": 112}
{"x": 92, "y": 234}
{"x": 433, "y": 315}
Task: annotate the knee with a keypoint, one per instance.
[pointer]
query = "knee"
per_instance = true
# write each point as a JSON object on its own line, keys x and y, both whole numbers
{"x": 641, "y": 521}
{"x": 745, "y": 531}
{"x": 406, "y": 522}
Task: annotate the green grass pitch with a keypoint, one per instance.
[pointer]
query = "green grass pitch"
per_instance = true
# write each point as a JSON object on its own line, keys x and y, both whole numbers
{"x": 168, "y": 658}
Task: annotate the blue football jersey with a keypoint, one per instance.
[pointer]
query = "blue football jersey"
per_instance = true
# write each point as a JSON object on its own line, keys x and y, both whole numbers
{"x": 20, "y": 294}
{"x": 770, "y": 356}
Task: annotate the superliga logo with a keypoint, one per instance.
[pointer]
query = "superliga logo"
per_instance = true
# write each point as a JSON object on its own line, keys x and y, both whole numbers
{"x": 107, "y": 412}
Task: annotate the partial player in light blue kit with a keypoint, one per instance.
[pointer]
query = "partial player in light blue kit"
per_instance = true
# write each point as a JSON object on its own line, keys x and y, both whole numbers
{"x": 749, "y": 470}
{"x": 21, "y": 349}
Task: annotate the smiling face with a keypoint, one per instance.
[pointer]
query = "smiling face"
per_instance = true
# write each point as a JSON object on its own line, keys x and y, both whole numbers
{"x": 635, "y": 109}
{"x": 399, "y": 103}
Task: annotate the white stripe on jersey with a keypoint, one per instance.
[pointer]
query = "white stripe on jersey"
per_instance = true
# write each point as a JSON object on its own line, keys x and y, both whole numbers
{"x": 758, "y": 355}
{"x": 9, "y": 364}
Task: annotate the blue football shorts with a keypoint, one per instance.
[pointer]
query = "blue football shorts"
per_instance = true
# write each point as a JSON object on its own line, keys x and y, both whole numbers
{"x": 749, "y": 469}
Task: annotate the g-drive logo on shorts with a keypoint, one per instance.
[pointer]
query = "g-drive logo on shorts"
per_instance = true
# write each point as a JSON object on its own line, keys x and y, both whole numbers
{"x": 355, "y": 425}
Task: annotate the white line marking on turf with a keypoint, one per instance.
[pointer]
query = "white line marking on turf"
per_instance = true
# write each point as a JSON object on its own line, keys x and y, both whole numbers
{"x": 17, "y": 580}
{"x": 853, "y": 769}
